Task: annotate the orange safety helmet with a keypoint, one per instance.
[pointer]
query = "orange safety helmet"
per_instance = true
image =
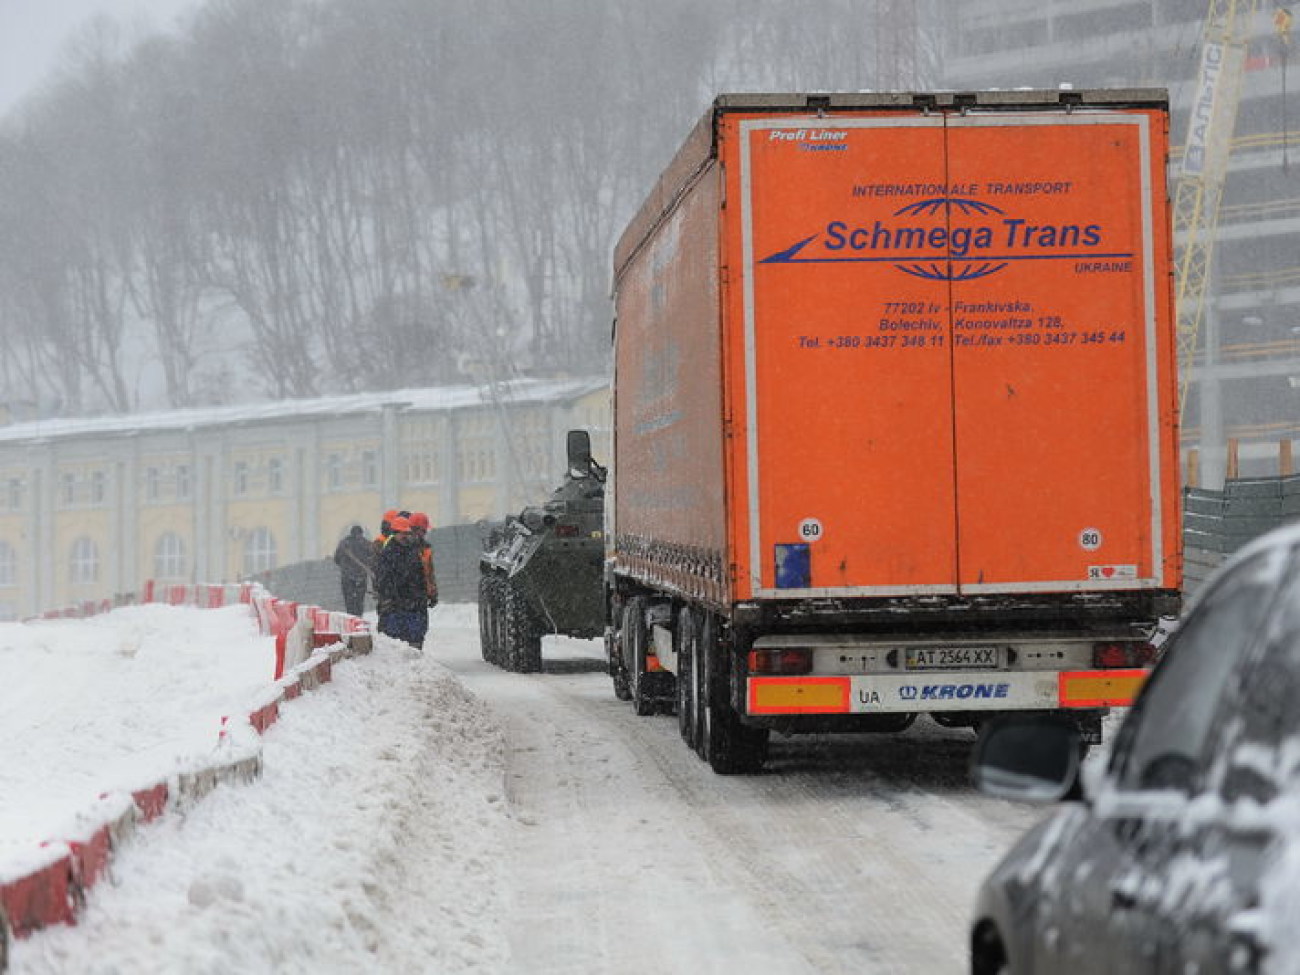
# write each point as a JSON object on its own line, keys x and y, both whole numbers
{"x": 420, "y": 521}
{"x": 400, "y": 524}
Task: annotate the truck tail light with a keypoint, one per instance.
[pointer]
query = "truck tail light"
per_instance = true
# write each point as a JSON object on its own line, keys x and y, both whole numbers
{"x": 1119, "y": 655}
{"x": 783, "y": 661}
{"x": 566, "y": 531}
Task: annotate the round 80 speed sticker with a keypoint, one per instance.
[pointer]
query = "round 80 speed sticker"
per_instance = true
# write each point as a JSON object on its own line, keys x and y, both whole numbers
{"x": 1090, "y": 539}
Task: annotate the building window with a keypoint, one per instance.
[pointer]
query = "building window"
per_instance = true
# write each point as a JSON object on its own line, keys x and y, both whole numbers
{"x": 151, "y": 484}
{"x": 275, "y": 475}
{"x": 68, "y": 489}
{"x": 8, "y": 566}
{"x": 369, "y": 469}
{"x": 98, "y": 487}
{"x": 182, "y": 482}
{"x": 241, "y": 478}
{"x": 334, "y": 472}
{"x": 169, "y": 558}
{"x": 85, "y": 562}
{"x": 259, "y": 551}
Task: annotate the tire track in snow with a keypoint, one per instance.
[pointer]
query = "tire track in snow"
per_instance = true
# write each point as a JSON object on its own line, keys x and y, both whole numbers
{"x": 857, "y": 854}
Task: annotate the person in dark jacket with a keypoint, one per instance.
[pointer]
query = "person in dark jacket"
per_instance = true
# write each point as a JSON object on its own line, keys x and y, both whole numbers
{"x": 399, "y": 582}
{"x": 354, "y": 556}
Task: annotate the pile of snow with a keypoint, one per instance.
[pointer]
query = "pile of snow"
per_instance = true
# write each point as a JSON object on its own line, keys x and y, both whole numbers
{"x": 381, "y": 797}
{"x": 117, "y": 702}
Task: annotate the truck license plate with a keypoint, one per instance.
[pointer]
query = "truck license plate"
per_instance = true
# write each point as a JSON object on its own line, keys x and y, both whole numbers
{"x": 952, "y": 658}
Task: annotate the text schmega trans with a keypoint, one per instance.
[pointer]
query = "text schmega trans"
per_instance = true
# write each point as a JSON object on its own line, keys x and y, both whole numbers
{"x": 895, "y": 415}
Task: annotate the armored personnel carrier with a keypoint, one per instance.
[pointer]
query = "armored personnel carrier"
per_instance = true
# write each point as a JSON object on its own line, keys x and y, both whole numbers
{"x": 540, "y": 571}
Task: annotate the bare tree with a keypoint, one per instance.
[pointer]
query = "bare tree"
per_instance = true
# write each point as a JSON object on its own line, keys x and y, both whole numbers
{"x": 347, "y": 194}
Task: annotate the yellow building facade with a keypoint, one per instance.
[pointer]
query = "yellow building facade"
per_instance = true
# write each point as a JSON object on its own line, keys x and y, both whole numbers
{"x": 91, "y": 508}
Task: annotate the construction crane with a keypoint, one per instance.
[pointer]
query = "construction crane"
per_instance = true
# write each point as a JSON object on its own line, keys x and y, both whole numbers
{"x": 1211, "y": 121}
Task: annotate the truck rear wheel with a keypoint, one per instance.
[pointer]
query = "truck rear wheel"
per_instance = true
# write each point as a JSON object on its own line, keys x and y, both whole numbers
{"x": 635, "y": 638}
{"x": 730, "y": 747}
{"x": 614, "y": 656}
{"x": 694, "y": 671}
{"x": 688, "y": 640}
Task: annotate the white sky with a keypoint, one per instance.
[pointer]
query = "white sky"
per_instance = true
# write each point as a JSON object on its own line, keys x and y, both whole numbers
{"x": 33, "y": 32}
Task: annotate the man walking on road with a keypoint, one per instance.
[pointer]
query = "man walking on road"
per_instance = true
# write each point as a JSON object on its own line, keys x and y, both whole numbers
{"x": 354, "y": 556}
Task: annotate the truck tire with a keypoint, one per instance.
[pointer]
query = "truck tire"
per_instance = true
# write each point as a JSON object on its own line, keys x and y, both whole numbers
{"x": 523, "y": 634}
{"x": 688, "y": 640}
{"x": 708, "y": 633}
{"x": 617, "y": 670}
{"x": 636, "y": 635}
{"x": 730, "y": 748}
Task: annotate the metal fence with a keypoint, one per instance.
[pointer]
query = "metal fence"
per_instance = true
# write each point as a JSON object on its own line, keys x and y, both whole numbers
{"x": 1217, "y": 523}
{"x": 455, "y": 558}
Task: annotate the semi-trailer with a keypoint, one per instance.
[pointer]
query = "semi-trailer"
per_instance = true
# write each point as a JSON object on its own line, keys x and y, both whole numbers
{"x": 894, "y": 415}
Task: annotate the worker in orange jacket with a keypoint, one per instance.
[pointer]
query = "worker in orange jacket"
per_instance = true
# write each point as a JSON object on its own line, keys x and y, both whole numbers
{"x": 420, "y": 528}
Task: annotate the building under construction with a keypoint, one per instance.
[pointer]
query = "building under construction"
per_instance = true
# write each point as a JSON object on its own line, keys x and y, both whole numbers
{"x": 1225, "y": 64}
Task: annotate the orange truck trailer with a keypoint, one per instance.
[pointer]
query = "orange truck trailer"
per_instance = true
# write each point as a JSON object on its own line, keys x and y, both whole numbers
{"x": 895, "y": 415}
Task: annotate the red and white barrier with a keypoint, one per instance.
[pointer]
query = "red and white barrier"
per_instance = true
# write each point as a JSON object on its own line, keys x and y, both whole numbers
{"x": 50, "y": 886}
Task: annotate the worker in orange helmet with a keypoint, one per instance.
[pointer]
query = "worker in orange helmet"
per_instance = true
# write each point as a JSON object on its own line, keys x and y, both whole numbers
{"x": 399, "y": 579}
{"x": 385, "y": 531}
{"x": 420, "y": 528}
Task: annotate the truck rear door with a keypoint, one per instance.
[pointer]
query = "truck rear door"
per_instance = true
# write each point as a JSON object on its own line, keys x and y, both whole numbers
{"x": 849, "y": 405}
{"x": 950, "y": 338}
{"x": 1054, "y": 354}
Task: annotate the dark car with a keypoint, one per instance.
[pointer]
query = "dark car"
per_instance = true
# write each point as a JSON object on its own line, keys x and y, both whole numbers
{"x": 1181, "y": 852}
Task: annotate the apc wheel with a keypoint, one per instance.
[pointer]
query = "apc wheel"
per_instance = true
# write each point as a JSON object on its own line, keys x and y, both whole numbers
{"x": 496, "y": 634}
{"x": 523, "y": 637}
{"x": 485, "y": 617}
{"x": 688, "y": 628}
{"x": 635, "y": 638}
{"x": 730, "y": 748}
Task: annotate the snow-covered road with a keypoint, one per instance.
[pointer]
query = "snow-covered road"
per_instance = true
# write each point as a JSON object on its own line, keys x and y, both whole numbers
{"x": 434, "y": 814}
{"x": 857, "y": 854}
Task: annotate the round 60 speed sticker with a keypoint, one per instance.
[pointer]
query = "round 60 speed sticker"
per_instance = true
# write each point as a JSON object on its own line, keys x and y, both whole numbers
{"x": 1090, "y": 539}
{"x": 810, "y": 529}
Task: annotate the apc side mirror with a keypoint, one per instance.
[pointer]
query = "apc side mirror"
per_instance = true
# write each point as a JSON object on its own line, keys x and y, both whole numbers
{"x": 1030, "y": 758}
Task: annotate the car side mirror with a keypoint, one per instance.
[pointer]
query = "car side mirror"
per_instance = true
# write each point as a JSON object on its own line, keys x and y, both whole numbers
{"x": 1028, "y": 757}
